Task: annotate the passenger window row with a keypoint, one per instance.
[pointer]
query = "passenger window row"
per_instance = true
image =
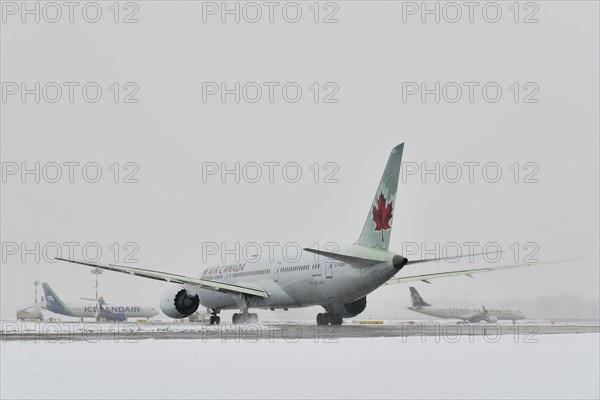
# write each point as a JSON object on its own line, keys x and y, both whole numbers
{"x": 296, "y": 268}
{"x": 251, "y": 273}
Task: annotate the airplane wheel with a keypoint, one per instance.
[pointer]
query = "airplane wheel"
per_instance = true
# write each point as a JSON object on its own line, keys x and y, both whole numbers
{"x": 336, "y": 320}
{"x": 211, "y": 320}
{"x": 244, "y": 318}
{"x": 217, "y": 320}
{"x": 322, "y": 319}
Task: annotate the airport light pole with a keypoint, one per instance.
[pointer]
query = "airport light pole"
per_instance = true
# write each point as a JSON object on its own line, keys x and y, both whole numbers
{"x": 36, "y": 283}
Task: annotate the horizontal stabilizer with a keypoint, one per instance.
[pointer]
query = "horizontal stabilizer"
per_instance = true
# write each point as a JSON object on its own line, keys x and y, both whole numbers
{"x": 352, "y": 260}
{"x": 410, "y": 262}
{"x": 468, "y": 272}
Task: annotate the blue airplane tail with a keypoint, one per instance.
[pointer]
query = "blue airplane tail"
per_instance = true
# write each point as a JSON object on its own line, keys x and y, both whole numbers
{"x": 53, "y": 302}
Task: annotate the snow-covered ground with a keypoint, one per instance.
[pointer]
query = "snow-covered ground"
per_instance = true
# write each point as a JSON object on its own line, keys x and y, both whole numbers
{"x": 557, "y": 366}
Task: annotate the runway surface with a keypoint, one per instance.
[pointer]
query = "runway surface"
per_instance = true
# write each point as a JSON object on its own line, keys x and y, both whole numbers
{"x": 287, "y": 330}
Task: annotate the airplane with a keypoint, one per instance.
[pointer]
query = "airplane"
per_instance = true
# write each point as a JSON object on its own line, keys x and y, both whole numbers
{"x": 469, "y": 314}
{"x": 339, "y": 281}
{"x": 100, "y": 311}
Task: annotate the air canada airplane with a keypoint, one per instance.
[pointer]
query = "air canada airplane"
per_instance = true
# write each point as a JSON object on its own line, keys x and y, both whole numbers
{"x": 98, "y": 311}
{"x": 339, "y": 281}
{"x": 470, "y": 314}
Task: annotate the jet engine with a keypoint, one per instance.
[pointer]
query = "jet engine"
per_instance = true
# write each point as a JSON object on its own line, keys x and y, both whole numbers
{"x": 492, "y": 319}
{"x": 179, "y": 303}
{"x": 348, "y": 310}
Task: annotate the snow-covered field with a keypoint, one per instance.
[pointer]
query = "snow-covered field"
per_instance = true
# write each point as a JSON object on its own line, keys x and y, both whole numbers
{"x": 558, "y": 366}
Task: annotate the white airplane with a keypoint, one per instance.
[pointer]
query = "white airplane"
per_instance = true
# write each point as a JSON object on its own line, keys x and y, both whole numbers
{"x": 470, "y": 314}
{"x": 338, "y": 281}
{"x": 98, "y": 311}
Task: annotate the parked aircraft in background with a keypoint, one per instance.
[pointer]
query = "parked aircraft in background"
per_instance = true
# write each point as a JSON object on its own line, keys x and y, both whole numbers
{"x": 470, "y": 314}
{"x": 99, "y": 311}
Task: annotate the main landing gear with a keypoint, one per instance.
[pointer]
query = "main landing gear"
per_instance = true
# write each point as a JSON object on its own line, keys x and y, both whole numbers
{"x": 244, "y": 318}
{"x": 327, "y": 318}
{"x": 214, "y": 318}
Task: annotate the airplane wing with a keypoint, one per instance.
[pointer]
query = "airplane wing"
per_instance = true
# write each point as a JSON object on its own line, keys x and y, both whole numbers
{"x": 477, "y": 317}
{"x": 174, "y": 278}
{"x": 468, "y": 272}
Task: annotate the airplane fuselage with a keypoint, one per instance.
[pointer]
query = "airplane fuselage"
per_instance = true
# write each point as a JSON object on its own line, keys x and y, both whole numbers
{"x": 311, "y": 280}
{"x": 467, "y": 313}
{"x": 90, "y": 311}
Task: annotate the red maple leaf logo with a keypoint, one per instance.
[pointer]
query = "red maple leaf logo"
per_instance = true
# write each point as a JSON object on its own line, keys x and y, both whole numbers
{"x": 382, "y": 215}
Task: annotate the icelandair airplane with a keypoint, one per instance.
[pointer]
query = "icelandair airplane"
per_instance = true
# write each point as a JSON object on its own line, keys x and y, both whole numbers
{"x": 338, "y": 281}
{"x": 470, "y": 314}
{"x": 99, "y": 311}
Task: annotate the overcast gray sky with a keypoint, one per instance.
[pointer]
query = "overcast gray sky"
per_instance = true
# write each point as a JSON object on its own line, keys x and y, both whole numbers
{"x": 516, "y": 97}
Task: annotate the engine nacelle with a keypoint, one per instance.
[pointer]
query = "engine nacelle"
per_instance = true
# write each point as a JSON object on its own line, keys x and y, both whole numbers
{"x": 348, "y": 310}
{"x": 491, "y": 319}
{"x": 178, "y": 303}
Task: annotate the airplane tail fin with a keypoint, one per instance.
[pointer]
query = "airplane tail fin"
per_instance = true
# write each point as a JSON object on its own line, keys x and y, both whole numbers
{"x": 53, "y": 302}
{"x": 378, "y": 226}
{"x": 416, "y": 298}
